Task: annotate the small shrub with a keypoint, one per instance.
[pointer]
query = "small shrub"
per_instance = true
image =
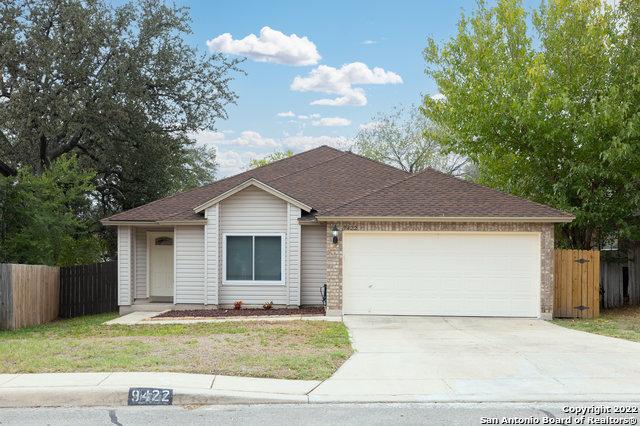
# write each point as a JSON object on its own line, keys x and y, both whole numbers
{"x": 237, "y": 305}
{"x": 268, "y": 305}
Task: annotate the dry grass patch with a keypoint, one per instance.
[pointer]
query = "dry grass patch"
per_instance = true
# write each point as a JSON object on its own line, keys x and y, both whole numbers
{"x": 623, "y": 323}
{"x": 290, "y": 350}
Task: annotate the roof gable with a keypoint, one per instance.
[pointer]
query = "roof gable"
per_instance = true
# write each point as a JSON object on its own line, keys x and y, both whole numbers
{"x": 246, "y": 184}
{"x": 331, "y": 183}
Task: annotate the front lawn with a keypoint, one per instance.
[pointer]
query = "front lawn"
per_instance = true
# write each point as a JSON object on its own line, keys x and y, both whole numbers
{"x": 287, "y": 350}
{"x": 623, "y": 323}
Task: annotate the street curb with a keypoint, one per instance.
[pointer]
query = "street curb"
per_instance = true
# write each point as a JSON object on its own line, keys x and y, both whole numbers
{"x": 470, "y": 399}
{"x": 93, "y": 396}
{"x": 89, "y": 396}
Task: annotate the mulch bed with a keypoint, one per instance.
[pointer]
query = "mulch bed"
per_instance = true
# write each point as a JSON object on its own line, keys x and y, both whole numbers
{"x": 213, "y": 313}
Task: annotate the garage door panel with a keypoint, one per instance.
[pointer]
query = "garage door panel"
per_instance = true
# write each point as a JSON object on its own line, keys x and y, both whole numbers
{"x": 470, "y": 274}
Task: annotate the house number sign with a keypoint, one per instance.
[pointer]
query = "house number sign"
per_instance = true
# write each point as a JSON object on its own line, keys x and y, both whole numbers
{"x": 150, "y": 396}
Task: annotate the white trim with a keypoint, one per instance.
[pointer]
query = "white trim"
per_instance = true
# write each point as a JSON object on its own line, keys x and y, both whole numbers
{"x": 125, "y": 261}
{"x": 147, "y": 271}
{"x": 175, "y": 265}
{"x": 365, "y": 231}
{"x": 288, "y": 256}
{"x": 206, "y": 264}
{"x": 258, "y": 184}
{"x": 119, "y": 243}
{"x": 443, "y": 219}
{"x": 212, "y": 214}
{"x": 283, "y": 274}
{"x": 108, "y": 222}
{"x": 134, "y": 265}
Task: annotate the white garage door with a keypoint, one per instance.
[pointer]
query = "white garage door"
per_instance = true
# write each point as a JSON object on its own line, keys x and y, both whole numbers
{"x": 457, "y": 273}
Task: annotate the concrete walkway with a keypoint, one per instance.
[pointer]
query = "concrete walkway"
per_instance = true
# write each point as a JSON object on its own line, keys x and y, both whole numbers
{"x": 92, "y": 389}
{"x": 480, "y": 359}
{"x": 146, "y": 318}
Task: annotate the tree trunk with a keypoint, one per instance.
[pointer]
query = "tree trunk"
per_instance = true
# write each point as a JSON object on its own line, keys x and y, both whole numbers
{"x": 6, "y": 170}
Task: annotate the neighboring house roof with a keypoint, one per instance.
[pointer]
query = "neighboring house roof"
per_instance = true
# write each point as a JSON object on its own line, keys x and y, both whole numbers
{"x": 334, "y": 184}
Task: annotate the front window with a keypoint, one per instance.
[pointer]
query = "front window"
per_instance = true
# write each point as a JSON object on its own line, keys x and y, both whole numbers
{"x": 253, "y": 259}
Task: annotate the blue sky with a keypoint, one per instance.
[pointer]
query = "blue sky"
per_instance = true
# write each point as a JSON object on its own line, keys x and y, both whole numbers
{"x": 366, "y": 34}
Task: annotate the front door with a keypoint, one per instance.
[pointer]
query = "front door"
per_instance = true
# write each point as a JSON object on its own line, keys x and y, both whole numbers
{"x": 160, "y": 266}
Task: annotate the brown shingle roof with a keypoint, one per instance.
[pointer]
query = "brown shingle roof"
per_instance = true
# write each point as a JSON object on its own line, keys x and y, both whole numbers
{"x": 336, "y": 183}
{"x": 434, "y": 194}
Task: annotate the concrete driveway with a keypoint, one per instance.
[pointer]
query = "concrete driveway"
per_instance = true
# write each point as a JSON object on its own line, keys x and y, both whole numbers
{"x": 481, "y": 359}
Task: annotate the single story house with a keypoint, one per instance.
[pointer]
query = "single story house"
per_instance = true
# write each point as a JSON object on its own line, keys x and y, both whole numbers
{"x": 381, "y": 240}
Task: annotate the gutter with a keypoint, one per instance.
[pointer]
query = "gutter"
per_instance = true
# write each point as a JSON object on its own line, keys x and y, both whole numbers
{"x": 558, "y": 219}
{"x": 107, "y": 222}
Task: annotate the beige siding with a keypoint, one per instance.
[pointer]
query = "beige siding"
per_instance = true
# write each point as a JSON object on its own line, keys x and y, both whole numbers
{"x": 189, "y": 264}
{"x": 293, "y": 255}
{"x": 140, "y": 276}
{"x": 211, "y": 230}
{"x": 252, "y": 210}
{"x": 313, "y": 263}
{"x": 124, "y": 265}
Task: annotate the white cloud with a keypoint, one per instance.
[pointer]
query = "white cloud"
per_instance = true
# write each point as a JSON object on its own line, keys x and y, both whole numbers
{"x": 248, "y": 138}
{"x": 308, "y": 117}
{"x": 438, "y": 97}
{"x": 232, "y": 162}
{"x": 286, "y": 114}
{"x": 331, "y": 122}
{"x": 303, "y": 143}
{"x": 370, "y": 125}
{"x": 207, "y": 137}
{"x": 369, "y": 42}
{"x": 340, "y": 81}
{"x": 271, "y": 46}
{"x": 234, "y": 155}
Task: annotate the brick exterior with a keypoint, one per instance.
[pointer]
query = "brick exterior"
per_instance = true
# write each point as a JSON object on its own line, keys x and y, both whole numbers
{"x": 334, "y": 252}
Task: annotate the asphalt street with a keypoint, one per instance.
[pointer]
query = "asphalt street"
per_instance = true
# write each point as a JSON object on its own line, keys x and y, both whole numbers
{"x": 330, "y": 414}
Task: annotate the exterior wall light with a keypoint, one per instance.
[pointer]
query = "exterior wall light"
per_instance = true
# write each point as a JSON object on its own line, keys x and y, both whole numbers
{"x": 334, "y": 232}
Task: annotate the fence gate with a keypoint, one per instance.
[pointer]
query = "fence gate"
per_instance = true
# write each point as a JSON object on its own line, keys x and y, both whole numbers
{"x": 577, "y": 284}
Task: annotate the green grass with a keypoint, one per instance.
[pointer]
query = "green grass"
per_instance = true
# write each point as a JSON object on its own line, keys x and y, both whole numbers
{"x": 623, "y": 323}
{"x": 291, "y": 350}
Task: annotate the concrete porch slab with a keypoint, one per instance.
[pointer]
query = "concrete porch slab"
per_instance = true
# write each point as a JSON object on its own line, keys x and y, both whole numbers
{"x": 132, "y": 318}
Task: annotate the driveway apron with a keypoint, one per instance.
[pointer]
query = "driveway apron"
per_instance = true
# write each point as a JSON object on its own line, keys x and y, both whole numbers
{"x": 506, "y": 359}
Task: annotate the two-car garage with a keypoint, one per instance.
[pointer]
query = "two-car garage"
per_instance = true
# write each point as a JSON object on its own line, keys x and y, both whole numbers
{"x": 442, "y": 273}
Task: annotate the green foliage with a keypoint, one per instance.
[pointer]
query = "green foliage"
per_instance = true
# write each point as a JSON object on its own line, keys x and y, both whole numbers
{"x": 548, "y": 105}
{"x": 117, "y": 85}
{"x": 275, "y": 156}
{"x": 403, "y": 139}
{"x": 45, "y": 218}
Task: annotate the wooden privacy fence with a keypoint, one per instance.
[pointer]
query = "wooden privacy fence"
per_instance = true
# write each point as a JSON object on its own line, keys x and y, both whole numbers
{"x": 88, "y": 289}
{"x": 577, "y": 284}
{"x": 29, "y": 295}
